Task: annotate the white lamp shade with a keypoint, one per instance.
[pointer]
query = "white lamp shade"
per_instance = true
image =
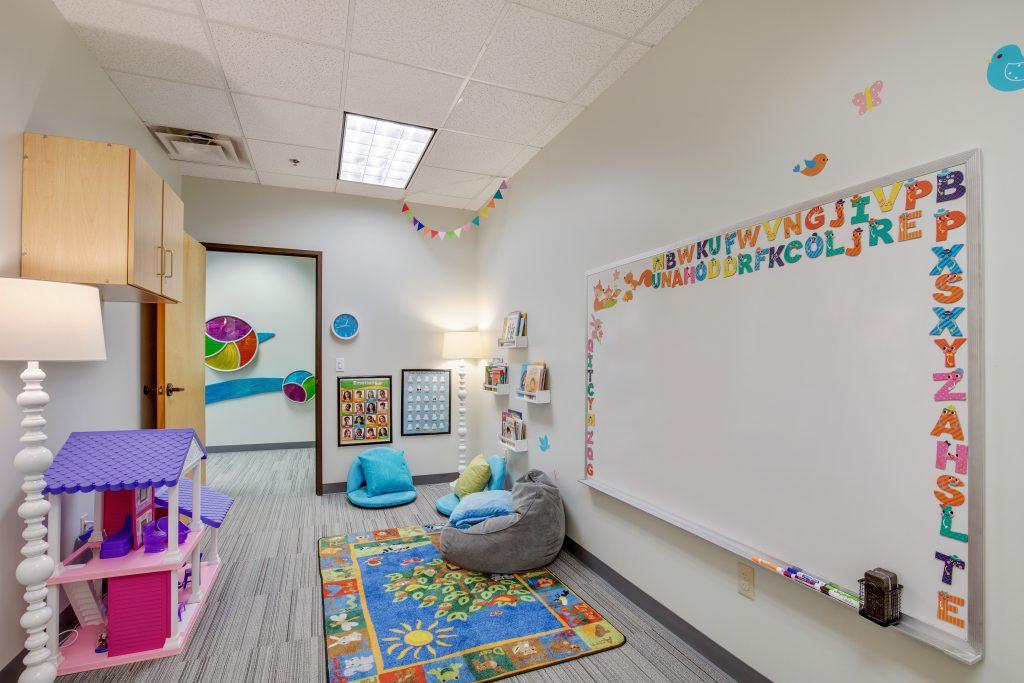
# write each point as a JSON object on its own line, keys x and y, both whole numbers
{"x": 460, "y": 345}
{"x": 47, "y": 321}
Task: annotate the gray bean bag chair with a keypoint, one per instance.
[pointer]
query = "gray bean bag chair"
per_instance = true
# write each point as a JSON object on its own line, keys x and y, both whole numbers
{"x": 528, "y": 538}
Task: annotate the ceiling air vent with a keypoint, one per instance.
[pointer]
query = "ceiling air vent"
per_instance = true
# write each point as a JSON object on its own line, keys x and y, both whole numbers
{"x": 200, "y": 148}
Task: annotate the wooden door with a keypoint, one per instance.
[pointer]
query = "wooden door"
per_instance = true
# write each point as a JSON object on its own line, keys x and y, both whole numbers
{"x": 179, "y": 342}
{"x": 174, "y": 244}
{"x": 145, "y": 228}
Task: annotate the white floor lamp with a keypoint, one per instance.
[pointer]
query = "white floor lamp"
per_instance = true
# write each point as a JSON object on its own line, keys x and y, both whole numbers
{"x": 42, "y": 321}
{"x": 461, "y": 346}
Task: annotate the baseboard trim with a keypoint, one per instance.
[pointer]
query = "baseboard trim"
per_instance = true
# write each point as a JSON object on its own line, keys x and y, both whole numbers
{"x": 419, "y": 479}
{"x": 261, "y": 447}
{"x": 715, "y": 653}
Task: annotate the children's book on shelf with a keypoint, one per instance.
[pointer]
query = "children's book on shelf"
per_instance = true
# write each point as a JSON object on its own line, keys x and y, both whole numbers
{"x": 533, "y": 377}
{"x": 496, "y": 372}
{"x": 513, "y": 427}
{"x": 513, "y": 325}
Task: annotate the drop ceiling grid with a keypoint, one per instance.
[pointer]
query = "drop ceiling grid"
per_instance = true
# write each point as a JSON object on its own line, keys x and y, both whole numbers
{"x": 470, "y": 85}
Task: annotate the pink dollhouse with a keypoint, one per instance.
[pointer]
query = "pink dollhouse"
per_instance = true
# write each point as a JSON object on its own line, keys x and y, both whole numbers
{"x": 156, "y": 580}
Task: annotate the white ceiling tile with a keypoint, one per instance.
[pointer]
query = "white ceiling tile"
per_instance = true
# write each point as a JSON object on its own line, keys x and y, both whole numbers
{"x": 320, "y": 21}
{"x": 297, "y": 182}
{"x": 263, "y": 64}
{"x": 666, "y": 20}
{"x": 470, "y": 153}
{"x": 619, "y": 65}
{"x": 144, "y": 40}
{"x": 242, "y": 175}
{"x": 563, "y": 119}
{"x": 399, "y": 92}
{"x": 435, "y": 200}
{"x": 445, "y": 35}
{"x": 296, "y": 124}
{"x": 447, "y": 181}
{"x": 367, "y": 190}
{"x": 499, "y": 113}
{"x": 484, "y": 196}
{"x": 619, "y": 16}
{"x": 275, "y": 158}
{"x": 167, "y": 103}
{"x": 535, "y": 52}
{"x": 520, "y": 160}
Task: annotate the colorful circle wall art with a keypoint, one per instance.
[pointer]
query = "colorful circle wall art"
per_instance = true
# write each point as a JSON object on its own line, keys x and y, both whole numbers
{"x": 231, "y": 343}
{"x": 299, "y": 386}
{"x": 345, "y": 326}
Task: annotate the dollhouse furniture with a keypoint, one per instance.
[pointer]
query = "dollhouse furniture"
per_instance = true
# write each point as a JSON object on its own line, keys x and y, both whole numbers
{"x": 528, "y": 538}
{"x": 153, "y": 599}
{"x": 445, "y": 504}
{"x": 369, "y": 490}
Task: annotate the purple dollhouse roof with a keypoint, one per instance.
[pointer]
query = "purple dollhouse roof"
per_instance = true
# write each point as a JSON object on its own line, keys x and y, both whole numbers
{"x": 214, "y": 505}
{"x": 128, "y": 459}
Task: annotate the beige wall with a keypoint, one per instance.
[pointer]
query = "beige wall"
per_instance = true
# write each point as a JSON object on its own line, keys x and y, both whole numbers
{"x": 51, "y": 84}
{"x": 405, "y": 289}
{"x": 701, "y": 135}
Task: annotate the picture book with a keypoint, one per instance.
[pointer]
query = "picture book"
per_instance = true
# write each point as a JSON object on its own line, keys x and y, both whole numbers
{"x": 513, "y": 427}
{"x": 533, "y": 377}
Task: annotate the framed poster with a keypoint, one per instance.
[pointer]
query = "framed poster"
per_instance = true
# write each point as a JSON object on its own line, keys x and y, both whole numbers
{"x": 426, "y": 402}
{"x": 364, "y": 410}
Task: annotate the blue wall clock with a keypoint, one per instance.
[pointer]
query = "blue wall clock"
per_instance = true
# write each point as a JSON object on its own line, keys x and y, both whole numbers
{"x": 345, "y": 326}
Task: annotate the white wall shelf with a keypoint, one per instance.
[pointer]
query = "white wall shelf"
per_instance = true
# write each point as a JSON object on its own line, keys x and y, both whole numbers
{"x": 498, "y": 389}
{"x": 535, "y": 396}
{"x": 517, "y": 446}
{"x": 514, "y": 343}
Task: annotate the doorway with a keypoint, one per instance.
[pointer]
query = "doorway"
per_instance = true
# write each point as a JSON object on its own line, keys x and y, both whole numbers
{"x": 263, "y": 350}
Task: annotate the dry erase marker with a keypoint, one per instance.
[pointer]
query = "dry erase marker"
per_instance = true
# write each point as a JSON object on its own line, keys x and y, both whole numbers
{"x": 768, "y": 565}
{"x": 812, "y": 581}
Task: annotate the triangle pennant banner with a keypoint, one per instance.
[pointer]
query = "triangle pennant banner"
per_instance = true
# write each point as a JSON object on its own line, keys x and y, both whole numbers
{"x": 458, "y": 232}
{"x": 476, "y": 220}
{"x": 419, "y": 227}
{"x": 450, "y": 233}
{"x": 490, "y": 204}
{"x": 485, "y": 212}
{"x": 498, "y": 195}
{"x": 405, "y": 207}
{"x": 504, "y": 185}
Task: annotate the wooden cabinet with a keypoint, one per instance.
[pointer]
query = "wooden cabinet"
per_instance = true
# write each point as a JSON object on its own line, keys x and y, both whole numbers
{"x": 97, "y": 213}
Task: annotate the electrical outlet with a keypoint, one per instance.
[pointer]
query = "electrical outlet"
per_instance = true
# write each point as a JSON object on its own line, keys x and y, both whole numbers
{"x": 339, "y": 365}
{"x": 746, "y": 580}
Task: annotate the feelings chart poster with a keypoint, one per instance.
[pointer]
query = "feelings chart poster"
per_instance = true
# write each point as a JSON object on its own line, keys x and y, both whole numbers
{"x": 364, "y": 410}
{"x": 426, "y": 402}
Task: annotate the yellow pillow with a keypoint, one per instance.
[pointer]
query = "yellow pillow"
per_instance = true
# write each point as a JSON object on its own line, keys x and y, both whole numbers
{"x": 474, "y": 478}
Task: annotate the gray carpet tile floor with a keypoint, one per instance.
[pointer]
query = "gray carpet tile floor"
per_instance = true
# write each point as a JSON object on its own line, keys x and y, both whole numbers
{"x": 262, "y": 621}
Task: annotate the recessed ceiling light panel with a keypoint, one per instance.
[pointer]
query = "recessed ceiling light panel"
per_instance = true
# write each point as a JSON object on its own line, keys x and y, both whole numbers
{"x": 380, "y": 152}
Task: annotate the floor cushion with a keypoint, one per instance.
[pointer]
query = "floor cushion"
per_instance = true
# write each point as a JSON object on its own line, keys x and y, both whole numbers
{"x": 363, "y": 499}
{"x": 476, "y": 507}
{"x": 356, "y": 486}
{"x": 445, "y": 504}
{"x": 528, "y": 538}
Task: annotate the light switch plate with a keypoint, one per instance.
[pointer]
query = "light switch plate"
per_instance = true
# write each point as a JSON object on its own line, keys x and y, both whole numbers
{"x": 746, "y": 580}
{"x": 339, "y": 365}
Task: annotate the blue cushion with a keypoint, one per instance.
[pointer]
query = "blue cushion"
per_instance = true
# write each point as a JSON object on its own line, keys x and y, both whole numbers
{"x": 363, "y": 499}
{"x": 497, "y": 481}
{"x": 445, "y": 504}
{"x": 476, "y": 507}
{"x": 385, "y": 471}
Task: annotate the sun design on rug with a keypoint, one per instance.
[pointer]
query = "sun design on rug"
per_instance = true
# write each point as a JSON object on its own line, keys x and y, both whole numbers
{"x": 415, "y": 640}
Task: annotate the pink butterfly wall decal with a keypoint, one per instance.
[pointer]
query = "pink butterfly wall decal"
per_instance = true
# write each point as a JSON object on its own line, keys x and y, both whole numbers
{"x": 868, "y": 98}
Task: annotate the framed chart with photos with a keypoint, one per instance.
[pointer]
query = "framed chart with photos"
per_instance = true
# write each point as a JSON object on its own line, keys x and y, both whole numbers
{"x": 364, "y": 410}
{"x": 426, "y": 402}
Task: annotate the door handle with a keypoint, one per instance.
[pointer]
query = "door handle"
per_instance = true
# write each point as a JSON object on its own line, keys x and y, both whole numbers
{"x": 158, "y": 390}
{"x": 171, "y": 273}
{"x": 171, "y": 389}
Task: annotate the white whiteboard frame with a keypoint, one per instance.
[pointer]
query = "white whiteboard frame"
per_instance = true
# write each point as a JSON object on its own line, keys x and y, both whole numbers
{"x": 971, "y": 650}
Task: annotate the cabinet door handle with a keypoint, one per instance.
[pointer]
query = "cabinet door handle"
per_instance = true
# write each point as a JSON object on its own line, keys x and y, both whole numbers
{"x": 160, "y": 260}
{"x": 171, "y": 252}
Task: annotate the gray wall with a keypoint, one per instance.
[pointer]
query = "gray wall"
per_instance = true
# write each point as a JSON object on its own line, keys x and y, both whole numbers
{"x": 406, "y": 290}
{"x": 51, "y": 84}
{"x": 700, "y": 135}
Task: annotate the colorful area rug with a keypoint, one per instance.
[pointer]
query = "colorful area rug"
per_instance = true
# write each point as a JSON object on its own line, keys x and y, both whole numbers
{"x": 396, "y": 612}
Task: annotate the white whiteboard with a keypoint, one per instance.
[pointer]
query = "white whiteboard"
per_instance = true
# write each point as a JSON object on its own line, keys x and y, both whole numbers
{"x": 785, "y": 411}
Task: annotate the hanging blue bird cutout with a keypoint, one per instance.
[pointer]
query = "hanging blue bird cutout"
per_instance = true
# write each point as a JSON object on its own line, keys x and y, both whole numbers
{"x": 1006, "y": 69}
{"x": 545, "y": 444}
